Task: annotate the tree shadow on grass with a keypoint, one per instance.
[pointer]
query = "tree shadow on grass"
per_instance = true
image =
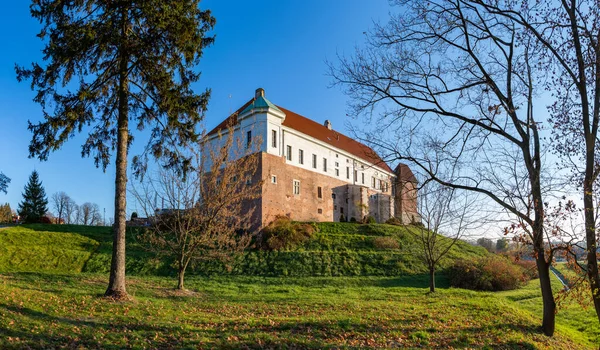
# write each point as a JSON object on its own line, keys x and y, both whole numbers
{"x": 238, "y": 333}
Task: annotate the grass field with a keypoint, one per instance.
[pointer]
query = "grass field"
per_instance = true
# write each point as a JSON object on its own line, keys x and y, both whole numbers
{"x": 52, "y": 310}
{"x": 64, "y": 309}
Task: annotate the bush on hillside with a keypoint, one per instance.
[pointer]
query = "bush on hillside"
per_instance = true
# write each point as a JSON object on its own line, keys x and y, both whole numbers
{"x": 353, "y": 219}
{"x": 386, "y": 242}
{"x": 490, "y": 273}
{"x": 282, "y": 233}
{"x": 370, "y": 220}
{"x": 529, "y": 268}
{"x": 394, "y": 221}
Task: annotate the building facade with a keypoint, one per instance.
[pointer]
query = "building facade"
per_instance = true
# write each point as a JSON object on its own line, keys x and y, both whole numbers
{"x": 311, "y": 172}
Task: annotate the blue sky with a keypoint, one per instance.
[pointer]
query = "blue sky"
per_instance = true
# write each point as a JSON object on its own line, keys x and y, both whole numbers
{"x": 280, "y": 46}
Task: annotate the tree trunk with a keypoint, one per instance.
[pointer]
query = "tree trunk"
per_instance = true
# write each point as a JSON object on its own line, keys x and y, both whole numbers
{"x": 549, "y": 313}
{"x": 183, "y": 263}
{"x": 180, "y": 276}
{"x": 432, "y": 279}
{"x": 590, "y": 236}
{"x": 116, "y": 285}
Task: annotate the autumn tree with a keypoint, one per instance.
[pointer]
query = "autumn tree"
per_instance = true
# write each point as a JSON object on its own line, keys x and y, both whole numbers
{"x": 35, "y": 203}
{"x": 208, "y": 213}
{"x": 106, "y": 63}
{"x": 5, "y": 213}
{"x": 448, "y": 215}
{"x": 4, "y": 181}
{"x": 450, "y": 84}
{"x": 568, "y": 35}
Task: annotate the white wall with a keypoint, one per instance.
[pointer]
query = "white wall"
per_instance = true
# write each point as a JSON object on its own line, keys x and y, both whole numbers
{"x": 262, "y": 125}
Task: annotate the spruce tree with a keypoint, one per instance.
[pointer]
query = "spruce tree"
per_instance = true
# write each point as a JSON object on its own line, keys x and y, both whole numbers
{"x": 4, "y": 181}
{"x": 109, "y": 63}
{"x": 35, "y": 204}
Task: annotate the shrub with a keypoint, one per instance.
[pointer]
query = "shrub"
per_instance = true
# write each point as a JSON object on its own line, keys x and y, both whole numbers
{"x": 353, "y": 219}
{"x": 282, "y": 233}
{"x": 394, "y": 221}
{"x": 45, "y": 220}
{"x": 492, "y": 273}
{"x": 370, "y": 220}
{"x": 342, "y": 218}
{"x": 529, "y": 268}
{"x": 385, "y": 243}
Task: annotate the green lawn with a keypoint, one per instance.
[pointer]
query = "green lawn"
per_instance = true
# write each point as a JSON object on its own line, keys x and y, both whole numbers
{"x": 50, "y": 310}
{"x": 62, "y": 307}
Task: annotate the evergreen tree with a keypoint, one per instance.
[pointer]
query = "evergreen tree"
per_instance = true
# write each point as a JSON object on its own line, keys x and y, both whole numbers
{"x": 35, "y": 203}
{"x": 107, "y": 63}
{"x": 4, "y": 181}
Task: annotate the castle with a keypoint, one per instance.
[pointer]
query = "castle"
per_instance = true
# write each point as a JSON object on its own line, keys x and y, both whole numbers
{"x": 311, "y": 172}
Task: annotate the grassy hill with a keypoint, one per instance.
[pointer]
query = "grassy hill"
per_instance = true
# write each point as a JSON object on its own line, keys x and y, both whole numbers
{"x": 336, "y": 249}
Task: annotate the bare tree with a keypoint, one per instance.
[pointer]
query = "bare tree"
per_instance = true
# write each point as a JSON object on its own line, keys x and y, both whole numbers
{"x": 568, "y": 34}
{"x": 70, "y": 211}
{"x": 60, "y": 202}
{"x": 451, "y": 85}
{"x": 447, "y": 215}
{"x": 210, "y": 212}
{"x": 89, "y": 214}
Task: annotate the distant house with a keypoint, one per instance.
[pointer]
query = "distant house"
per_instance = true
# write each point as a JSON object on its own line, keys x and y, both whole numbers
{"x": 312, "y": 172}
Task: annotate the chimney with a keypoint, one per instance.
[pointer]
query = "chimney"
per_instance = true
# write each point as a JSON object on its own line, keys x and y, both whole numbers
{"x": 259, "y": 92}
{"x": 328, "y": 124}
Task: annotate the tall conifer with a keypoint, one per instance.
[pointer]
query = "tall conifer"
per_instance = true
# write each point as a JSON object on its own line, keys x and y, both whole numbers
{"x": 35, "y": 203}
{"x": 109, "y": 68}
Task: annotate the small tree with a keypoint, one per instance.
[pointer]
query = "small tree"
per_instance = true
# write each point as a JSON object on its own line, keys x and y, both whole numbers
{"x": 210, "y": 213}
{"x": 4, "y": 181}
{"x": 486, "y": 243}
{"x": 89, "y": 214}
{"x": 35, "y": 204}
{"x": 5, "y": 213}
{"x": 60, "y": 202}
{"x": 501, "y": 245}
{"x": 71, "y": 209}
{"x": 447, "y": 215}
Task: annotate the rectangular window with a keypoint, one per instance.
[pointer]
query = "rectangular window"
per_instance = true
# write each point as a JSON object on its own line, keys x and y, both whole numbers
{"x": 289, "y": 152}
{"x": 335, "y": 207}
{"x": 333, "y": 195}
{"x": 337, "y": 172}
{"x": 273, "y": 179}
{"x": 274, "y": 138}
{"x": 320, "y": 211}
{"x": 296, "y": 187}
{"x": 314, "y": 161}
{"x": 248, "y": 139}
{"x": 300, "y": 156}
{"x": 337, "y": 164}
{"x": 372, "y": 182}
{"x": 363, "y": 178}
{"x": 347, "y": 172}
{"x": 341, "y": 210}
{"x": 319, "y": 192}
{"x": 355, "y": 176}
{"x": 325, "y": 164}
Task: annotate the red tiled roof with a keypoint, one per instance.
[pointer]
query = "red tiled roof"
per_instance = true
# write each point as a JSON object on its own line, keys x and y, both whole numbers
{"x": 318, "y": 131}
